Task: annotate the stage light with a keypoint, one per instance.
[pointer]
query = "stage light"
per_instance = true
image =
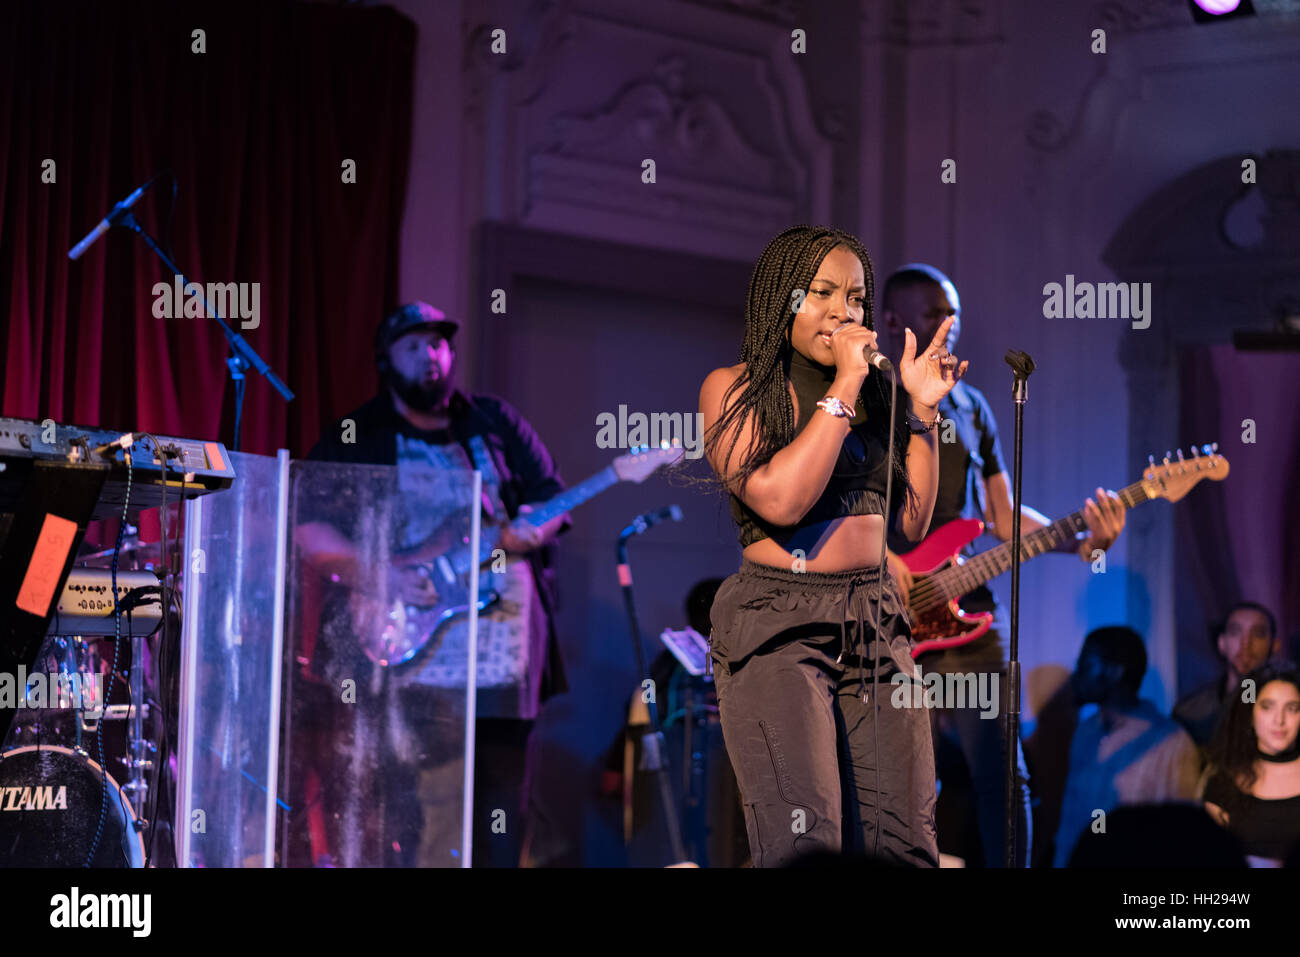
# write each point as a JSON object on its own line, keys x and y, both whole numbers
{"x": 1211, "y": 11}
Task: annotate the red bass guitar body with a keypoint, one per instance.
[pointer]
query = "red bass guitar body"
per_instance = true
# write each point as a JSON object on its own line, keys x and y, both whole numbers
{"x": 938, "y": 622}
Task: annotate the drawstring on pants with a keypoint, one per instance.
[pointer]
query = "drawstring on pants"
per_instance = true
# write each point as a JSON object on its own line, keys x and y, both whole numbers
{"x": 854, "y": 583}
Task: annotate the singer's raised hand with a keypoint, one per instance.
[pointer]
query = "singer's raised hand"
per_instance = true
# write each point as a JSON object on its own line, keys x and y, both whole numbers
{"x": 929, "y": 376}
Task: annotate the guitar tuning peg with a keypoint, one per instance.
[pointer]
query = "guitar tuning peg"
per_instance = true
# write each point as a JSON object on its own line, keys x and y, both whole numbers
{"x": 1195, "y": 453}
{"x": 1215, "y": 447}
{"x": 1168, "y": 455}
{"x": 1151, "y": 460}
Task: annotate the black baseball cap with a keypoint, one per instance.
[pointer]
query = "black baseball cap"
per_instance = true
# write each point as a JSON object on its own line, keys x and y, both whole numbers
{"x": 409, "y": 318}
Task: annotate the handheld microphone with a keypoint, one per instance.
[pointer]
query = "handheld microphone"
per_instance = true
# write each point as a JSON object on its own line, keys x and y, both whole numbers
{"x": 877, "y": 359}
{"x": 105, "y": 223}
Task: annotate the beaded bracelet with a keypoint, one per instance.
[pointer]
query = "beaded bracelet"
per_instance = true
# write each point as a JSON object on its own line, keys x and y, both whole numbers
{"x": 912, "y": 416}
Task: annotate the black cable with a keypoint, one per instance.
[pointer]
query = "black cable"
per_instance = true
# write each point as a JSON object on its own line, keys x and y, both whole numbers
{"x": 167, "y": 717}
{"x": 162, "y": 453}
{"x": 117, "y": 642}
{"x": 882, "y": 570}
{"x": 166, "y": 600}
{"x": 163, "y": 672}
{"x": 167, "y": 782}
{"x": 162, "y": 605}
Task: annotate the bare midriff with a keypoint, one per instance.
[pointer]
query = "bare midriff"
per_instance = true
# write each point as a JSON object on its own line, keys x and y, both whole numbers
{"x": 835, "y": 545}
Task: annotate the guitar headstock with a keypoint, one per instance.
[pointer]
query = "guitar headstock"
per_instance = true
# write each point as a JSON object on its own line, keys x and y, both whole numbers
{"x": 1174, "y": 478}
{"x": 642, "y": 461}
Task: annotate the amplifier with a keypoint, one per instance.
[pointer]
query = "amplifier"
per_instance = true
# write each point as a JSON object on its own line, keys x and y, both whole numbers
{"x": 85, "y": 605}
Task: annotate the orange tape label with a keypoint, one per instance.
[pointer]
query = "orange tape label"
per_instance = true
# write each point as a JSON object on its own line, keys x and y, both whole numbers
{"x": 42, "y": 578}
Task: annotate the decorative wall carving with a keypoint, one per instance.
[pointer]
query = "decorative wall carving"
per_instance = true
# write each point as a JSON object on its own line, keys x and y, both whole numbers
{"x": 736, "y": 146}
{"x": 658, "y": 116}
{"x": 531, "y": 51}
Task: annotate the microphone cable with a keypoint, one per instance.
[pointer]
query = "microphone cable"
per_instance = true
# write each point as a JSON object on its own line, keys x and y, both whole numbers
{"x": 882, "y": 570}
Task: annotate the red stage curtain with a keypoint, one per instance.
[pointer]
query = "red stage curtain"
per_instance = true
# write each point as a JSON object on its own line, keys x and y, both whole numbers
{"x": 256, "y": 130}
{"x": 1236, "y": 538}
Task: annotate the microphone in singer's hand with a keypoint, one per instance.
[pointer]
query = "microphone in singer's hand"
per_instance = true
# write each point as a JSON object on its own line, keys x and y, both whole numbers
{"x": 877, "y": 359}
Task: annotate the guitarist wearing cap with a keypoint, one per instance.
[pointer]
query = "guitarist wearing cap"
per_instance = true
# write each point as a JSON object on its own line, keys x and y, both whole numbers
{"x": 421, "y": 423}
{"x": 974, "y": 483}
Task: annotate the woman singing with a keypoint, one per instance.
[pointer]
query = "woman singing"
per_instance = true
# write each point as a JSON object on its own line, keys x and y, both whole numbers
{"x": 798, "y": 432}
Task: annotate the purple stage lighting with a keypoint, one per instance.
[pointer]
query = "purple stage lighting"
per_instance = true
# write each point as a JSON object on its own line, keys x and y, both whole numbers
{"x": 1217, "y": 7}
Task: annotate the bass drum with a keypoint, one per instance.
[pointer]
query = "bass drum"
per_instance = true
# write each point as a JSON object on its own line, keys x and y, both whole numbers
{"x": 49, "y": 809}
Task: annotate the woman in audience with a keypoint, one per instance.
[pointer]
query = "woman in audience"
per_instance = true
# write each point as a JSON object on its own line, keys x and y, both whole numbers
{"x": 1254, "y": 787}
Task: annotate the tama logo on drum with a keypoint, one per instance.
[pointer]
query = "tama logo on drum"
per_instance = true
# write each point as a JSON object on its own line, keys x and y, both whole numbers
{"x": 34, "y": 799}
{"x": 102, "y": 910}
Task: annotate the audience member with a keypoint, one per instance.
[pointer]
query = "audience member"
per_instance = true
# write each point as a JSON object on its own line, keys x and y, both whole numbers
{"x": 1254, "y": 790}
{"x": 1127, "y": 752}
{"x": 1246, "y": 639}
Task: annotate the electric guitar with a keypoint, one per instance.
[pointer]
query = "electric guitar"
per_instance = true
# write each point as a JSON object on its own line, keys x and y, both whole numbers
{"x": 393, "y": 631}
{"x": 941, "y": 575}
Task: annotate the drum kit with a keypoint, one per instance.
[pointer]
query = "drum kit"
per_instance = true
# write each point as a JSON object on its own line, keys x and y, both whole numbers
{"x": 63, "y": 800}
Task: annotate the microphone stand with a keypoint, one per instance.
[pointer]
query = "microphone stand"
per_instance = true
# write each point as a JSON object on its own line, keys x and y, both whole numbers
{"x": 1022, "y": 366}
{"x": 243, "y": 356}
{"x": 654, "y": 751}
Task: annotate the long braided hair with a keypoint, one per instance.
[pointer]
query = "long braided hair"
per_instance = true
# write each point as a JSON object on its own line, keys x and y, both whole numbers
{"x": 789, "y": 263}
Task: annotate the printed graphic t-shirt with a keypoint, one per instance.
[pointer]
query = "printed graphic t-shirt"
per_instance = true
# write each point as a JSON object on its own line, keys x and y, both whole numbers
{"x": 517, "y": 469}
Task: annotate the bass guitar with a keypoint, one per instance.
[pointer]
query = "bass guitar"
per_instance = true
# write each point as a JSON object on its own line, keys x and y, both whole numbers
{"x": 941, "y": 575}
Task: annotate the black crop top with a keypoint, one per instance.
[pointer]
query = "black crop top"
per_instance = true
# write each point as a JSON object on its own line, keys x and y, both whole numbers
{"x": 1266, "y": 827}
{"x": 857, "y": 484}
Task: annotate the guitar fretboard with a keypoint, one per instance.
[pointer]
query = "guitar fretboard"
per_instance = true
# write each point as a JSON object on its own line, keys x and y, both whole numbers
{"x": 961, "y": 579}
{"x": 569, "y": 498}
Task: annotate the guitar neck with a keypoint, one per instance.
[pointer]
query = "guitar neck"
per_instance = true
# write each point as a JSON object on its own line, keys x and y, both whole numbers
{"x": 569, "y": 498}
{"x": 491, "y": 536}
{"x": 960, "y": 579}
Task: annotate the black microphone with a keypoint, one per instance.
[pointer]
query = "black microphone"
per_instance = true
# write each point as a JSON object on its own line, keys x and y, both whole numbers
{"x": 877, "y": 359}
{"x": 643, "y": 522}
{"x": 1021, "y": 365}
{"x": 105, "y": 223}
